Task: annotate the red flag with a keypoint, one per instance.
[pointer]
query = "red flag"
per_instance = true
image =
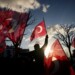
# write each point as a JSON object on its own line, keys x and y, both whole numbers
{"x": 47, "y": 62}
{"x": 73, "y": 42}
{"x": 38, "y": 31}
{"x": 5, "y": 15}
{"x": 18, "y": 26}
{"x": 13, "y": 24}
{"x": 3, "y": 34}
{"x": 59, "y": 65}
{"x": 2, "y": 15}
{"x": 5, "y": 19}
{"x": 57, "y": 51}
{"x": 15, "y": 35}
{"x": 72, "y": 72}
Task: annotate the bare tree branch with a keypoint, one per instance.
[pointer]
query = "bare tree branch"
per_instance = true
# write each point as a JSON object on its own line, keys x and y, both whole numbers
{"x": 31, "y": 19}
{"x": 68, "y": 38}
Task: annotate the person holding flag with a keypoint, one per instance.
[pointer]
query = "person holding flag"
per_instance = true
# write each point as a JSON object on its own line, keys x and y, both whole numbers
{"x": 39, "y": 31}
{"x": 39, "y": 55}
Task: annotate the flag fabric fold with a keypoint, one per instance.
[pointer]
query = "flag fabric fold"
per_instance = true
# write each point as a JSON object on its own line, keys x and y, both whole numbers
{"x": 12, "y": 25}
{"x": 57, "y": 50}
{"x": 5, "y": 19}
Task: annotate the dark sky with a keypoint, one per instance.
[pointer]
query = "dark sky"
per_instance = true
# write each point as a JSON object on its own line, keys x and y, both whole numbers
{"x": 59, "y": 12}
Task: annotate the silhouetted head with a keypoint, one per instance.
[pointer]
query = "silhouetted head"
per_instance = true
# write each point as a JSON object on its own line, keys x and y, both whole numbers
{"x": 36, "y": 46}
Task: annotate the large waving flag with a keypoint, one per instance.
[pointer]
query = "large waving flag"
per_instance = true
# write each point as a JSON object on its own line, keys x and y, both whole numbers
{"x": 12, "y": 25}
{"x": 57, "y": 51}
{"x": 57, "y": 63}
{"x": 5, "y": 19}
{"x": 18, "y": 25}
{"x": 39, "y": 30}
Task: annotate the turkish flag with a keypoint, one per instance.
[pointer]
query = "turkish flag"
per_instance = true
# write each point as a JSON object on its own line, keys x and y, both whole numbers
{"x": 57, "y": 50}
{"x": 39, "y": 30}
{"x": 59, "y": 64}
{"x": 18, "y": 23}
{"x": 5, "y": 19}
{"x": 63, "y": 62}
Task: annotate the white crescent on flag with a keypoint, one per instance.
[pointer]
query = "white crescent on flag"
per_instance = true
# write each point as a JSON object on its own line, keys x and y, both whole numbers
{"x": 40, "y": 29}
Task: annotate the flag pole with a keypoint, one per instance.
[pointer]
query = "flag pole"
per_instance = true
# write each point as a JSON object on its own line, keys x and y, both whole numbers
{"x": 63, "y": 49}
{"x": 44, "y": 23}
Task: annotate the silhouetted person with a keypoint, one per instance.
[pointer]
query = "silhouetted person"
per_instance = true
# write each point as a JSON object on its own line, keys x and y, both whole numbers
{"x": 39, "y": 55}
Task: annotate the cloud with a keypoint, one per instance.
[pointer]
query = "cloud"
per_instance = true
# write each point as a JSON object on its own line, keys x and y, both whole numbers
{"x": 45, "y": 8}
{"x": 52, "y": 30}
{"x": 20, "y": 5}
{"x": 23, "y": 5}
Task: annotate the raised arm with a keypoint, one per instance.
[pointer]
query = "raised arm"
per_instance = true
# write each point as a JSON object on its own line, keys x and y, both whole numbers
{"x": 46, "y": 42}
